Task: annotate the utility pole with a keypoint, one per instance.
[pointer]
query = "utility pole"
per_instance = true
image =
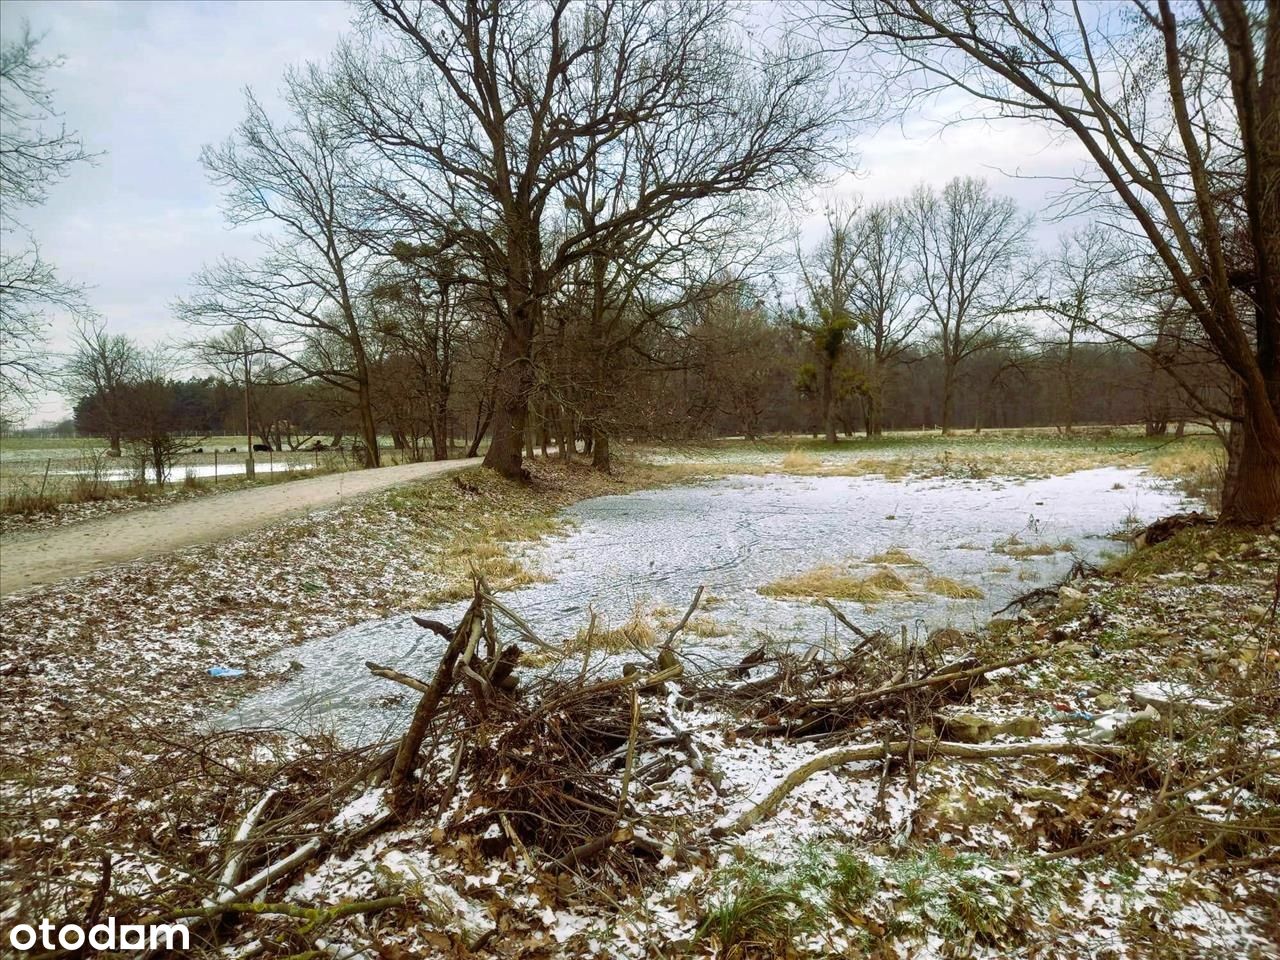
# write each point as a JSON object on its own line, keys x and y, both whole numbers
{"x": 248, "y": 428}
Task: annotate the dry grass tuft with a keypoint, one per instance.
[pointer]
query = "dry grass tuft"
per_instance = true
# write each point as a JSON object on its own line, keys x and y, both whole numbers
{"x": 1199, "y": 468}
{"x": 836, "y": 583}
{"x": 797, "y": 460}
{"x": 1020, "y": 550}
{"x": 895, "y": 556}
{"x": 635, "y": 632}
{"x": 946, "y": 587}
{"x": 706, "y": 627}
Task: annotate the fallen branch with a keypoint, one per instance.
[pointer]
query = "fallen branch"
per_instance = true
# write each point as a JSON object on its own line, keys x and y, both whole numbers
{"x": 934, "y": 679}
{"x": 838, "y": 756}
{"x": 866, "y": 638}
{"x": 407, "y": 754}
{"x": 697, "y": 598}
{"x": 386, "y": 673}
{"x": 314, "y": 915}
{"x": 697, "y": 759}
{"x": 220, "y": 904}
{"x": 231, "y": 871}
{"x": 643, "y": 680}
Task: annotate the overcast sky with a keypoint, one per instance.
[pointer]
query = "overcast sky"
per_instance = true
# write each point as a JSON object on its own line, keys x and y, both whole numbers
{"x": 149, "y": 83}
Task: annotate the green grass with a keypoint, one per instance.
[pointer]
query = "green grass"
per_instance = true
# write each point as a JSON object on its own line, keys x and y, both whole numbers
{"x": 756, "y": 907}
{"x": 968, "y": 899}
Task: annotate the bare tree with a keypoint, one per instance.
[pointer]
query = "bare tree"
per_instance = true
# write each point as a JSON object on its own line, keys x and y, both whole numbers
{"x": 1178, "y": 108}
{"x": 884, "y": 293}
{"x": 305, "y": 292}
{"x": 1082, "y": 279}
{"x": 969, "y": 246}
{"x": 742, "y": 365}
{"x": 483, "y": 111}
{"x": 155, "y": 430}
{"x": 424, "y": 301}
{"x": 99, "y": 370}
{"x": 830, "y": 284}
{"x": 238, "y": 353}
{"x": 36, "y": 151}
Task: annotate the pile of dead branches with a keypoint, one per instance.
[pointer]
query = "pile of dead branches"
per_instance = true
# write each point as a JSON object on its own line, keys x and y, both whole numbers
{"x": 545, "y": 769}
{"x": 881, "y": 678}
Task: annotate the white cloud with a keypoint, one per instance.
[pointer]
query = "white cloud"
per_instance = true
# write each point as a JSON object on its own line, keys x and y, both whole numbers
{"x": 149, "y": 84}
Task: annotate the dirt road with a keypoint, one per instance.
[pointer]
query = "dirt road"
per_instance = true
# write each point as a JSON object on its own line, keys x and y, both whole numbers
{"x": 29, "y": 560}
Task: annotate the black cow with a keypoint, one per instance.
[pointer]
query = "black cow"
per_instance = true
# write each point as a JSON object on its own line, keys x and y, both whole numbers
{"x": 261, "y": 448}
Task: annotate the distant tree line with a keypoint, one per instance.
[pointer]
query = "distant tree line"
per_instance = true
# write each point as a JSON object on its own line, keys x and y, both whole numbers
{"x": 510, "y": 226}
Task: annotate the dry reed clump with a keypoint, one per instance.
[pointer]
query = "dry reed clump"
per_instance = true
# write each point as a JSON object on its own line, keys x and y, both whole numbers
{"x": 796, "y": 459}
{"x": 1019, "y": 549}
{"x": 492, "y": 562}
{"x": 895, "y": 556}
{"x": 836, "y": 583}
{"x": 946, "y": 587}
{"x": 706, "y": 627}
{"x": 1199, "y": 469}
{"x": 636, "y": 632}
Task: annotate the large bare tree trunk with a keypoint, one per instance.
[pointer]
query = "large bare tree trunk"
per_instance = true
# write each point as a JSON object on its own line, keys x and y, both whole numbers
{"x": 511, "y": 413}
{"x": 440, "y": 430}
{"x": 601, "y": 455}
{"x": 948, "y": 396}
{"x": 829, "y": 399}
{"x": 875, "y": 401}
{"x": 1251, "y": 493}
{"x": 368, "y": 426}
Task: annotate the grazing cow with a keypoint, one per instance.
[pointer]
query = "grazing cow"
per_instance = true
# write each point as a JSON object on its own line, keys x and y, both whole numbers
{"x": 261, "y": 448}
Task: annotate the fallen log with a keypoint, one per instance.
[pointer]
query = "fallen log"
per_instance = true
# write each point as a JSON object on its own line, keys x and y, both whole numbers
{"x": 866, "y": 638}
{"x": 838, "y": 756}
{"x": 244, "y": 891}
{"x": 698, "y": 761}
{"x": 315, "y": 915}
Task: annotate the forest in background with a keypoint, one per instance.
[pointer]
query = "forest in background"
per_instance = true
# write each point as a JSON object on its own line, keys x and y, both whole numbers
{"x": 571, "y": 226}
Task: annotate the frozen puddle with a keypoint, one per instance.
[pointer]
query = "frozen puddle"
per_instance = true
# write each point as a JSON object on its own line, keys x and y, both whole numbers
{"x": 653, "y": 548}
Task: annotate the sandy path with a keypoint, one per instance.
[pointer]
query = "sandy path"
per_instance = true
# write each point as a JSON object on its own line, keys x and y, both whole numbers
{"x": 40, "y": 558}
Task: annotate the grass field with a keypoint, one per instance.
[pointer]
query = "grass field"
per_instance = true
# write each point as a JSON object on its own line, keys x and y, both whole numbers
{"x": 79, "y": 473}
{"x": 1195, "y": 461}
{"x": 40, "y": 475}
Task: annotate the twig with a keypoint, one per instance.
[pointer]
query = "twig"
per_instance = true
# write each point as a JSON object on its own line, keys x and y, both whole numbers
{"x": 314, "y": 915}
{"x": 411, "y": 742}
{"x": 697, "y": 598}
{"x": 697, "y": 759}
{"x": 867, "y": 638}
{"x": 631, "y": 753}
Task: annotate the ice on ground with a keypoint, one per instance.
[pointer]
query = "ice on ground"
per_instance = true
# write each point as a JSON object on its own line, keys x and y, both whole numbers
{"x": 653, "y": 548}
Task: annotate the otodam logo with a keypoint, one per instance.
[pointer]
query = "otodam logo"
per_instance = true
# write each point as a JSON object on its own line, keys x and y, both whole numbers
{"x": 107, "y": 935}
